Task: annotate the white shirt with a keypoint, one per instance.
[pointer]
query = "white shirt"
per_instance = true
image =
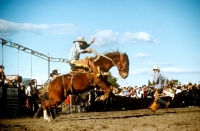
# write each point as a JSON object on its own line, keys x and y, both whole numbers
{"x": 27, "y": 91}
{"x": 178, "y": 91}
{"x": 139, "y": 93}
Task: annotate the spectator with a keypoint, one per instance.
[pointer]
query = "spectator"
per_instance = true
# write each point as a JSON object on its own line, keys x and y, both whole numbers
{"x": 18, "y": 82}
{"x": 39, "y": 85}
{"x": 126, "y": 92}
{"x": 115, "y": 90}
{"x": 178, "y": 90}
{"x": 149, "y": 92}
{"x": 144, "y": 91}
{"x": 122, "y": 91}
{"x": 89, "y": 101}
{"x": 80, "y": 103}
{"x": 139, "y": 92}
{"x": 134, "y": 94}
{"x": 2, "y": 75}
{"x": 39, "y": 102}
{"x": 68, "y": 104}
{"x": 54, "y": 74}
{"x": 2, "y": 78}
{"x": 29, "y": 88}
{"x": 168, "y": 92}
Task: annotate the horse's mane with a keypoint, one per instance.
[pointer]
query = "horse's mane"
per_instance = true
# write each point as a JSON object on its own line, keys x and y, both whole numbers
{"x": 107, "y": 54}
{"x": 111, "y": 53}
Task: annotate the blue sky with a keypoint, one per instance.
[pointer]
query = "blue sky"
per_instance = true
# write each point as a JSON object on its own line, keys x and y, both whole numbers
{"x": 164, "y": 33}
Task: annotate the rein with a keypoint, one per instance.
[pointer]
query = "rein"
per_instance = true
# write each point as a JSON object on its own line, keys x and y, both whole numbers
{"x": 120, "y": 66}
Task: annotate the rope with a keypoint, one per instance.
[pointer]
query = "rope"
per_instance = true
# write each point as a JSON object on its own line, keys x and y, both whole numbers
{"x": 63, "y": 82}
{"x": 98, "y": 56}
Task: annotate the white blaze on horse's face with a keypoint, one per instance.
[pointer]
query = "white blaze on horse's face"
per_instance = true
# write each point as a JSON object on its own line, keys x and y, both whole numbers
{"x": 123, "y": 65}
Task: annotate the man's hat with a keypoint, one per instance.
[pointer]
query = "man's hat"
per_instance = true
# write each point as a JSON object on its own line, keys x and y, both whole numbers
{"x": 2, "y": 67}
{"x": 80, "y": 39}
{"x": 54, "y": 72}
{"x": 156, "y": 68}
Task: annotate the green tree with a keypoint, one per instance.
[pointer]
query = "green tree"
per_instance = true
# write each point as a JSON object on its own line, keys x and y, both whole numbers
{"x": 149, "y": 83}
{"x": 113, "y": 80}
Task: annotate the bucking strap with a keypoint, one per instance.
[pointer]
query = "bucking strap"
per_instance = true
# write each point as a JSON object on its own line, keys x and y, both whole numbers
{"x": 63, "y": 82}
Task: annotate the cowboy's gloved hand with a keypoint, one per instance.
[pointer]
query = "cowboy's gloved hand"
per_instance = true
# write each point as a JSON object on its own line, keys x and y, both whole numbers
{"x": 89, "y": 50}
{"x": 93, "y": 39}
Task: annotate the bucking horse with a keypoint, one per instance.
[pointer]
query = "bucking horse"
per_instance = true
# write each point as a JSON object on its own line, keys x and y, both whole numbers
{"x": 80, "y": 81}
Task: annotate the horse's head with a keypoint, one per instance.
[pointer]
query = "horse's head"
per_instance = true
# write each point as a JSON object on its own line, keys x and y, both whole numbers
{"x": 121, "y": 61}
{"x": 123, "y": 65}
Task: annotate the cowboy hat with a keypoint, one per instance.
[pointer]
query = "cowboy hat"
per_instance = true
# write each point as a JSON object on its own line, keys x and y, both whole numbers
{"x": 54, "y": 72}
{"x": 80, "y": 39}
{"x": 156, "y": 68}
{"x": 2, "y": 67}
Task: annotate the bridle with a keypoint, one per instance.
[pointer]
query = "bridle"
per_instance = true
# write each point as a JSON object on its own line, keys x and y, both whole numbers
{"x": 120, "y": 65}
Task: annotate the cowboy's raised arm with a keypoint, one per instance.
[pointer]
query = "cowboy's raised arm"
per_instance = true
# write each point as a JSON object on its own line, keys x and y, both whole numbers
{"x": 84, "y": 46}
{"x": 92, "y": 41}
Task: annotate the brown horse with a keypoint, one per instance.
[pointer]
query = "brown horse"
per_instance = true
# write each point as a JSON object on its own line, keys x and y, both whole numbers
{"x": 83, "y": 81}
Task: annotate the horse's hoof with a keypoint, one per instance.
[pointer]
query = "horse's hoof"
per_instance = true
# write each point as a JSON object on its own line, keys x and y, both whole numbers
{"x": 51, "y": 118}
{"x": 97, "y": 99}
{"x": 48, "y": 119}
{"x": 102, "y": 98}
{"x": 35, "y": 117}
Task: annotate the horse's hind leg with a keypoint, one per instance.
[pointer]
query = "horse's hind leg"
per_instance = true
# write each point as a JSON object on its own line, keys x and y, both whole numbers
{"x": 45, "y": 105}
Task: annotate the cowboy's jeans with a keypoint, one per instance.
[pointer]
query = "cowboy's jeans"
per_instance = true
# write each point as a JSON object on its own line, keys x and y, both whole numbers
{"x": 161, "y": 101}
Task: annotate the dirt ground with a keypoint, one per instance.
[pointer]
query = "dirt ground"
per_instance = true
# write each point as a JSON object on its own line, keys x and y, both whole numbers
{"x": 172, "y": 119}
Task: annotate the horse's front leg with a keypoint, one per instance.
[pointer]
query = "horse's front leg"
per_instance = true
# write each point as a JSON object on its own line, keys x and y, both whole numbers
{"x": 106, "y": 95}
{"x": 107, "y": 90}
{"x": 45, "y": 105}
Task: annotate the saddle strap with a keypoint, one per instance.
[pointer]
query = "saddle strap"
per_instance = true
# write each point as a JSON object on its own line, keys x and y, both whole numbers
{"x": 71, "y": 83}
{"x": 63, "y": 82}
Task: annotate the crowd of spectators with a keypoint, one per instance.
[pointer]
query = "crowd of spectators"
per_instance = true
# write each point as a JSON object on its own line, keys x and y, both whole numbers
{"x": 145, "y": 91}
{"x": 138, "y": 92}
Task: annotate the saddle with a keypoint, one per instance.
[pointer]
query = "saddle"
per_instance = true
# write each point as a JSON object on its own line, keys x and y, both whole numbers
{"x": 76, "y": 72}
{"x": 86, "y": 64}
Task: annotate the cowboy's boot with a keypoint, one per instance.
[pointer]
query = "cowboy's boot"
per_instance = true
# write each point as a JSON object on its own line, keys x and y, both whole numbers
{"x": 153, "y": 106}
{"x": 96, "y": 70}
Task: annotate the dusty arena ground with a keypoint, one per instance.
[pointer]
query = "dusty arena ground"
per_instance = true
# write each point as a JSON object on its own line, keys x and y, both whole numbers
{"x": 172, "y": 119}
